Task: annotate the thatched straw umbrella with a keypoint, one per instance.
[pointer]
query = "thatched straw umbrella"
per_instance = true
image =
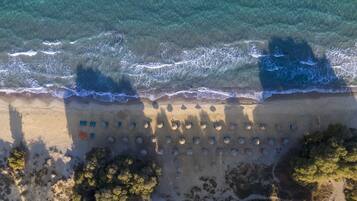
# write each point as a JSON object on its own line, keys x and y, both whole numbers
{"x": 188, "y": 125}
{"x": 139, "y": 140}
{"x": 219, "y": 151}
{"x": 147, "y": 124}
{"x": 248, "y": 151}
{"x": 271, "y": 141}
{"x": 160, "y": 124}
{"x": 212, "y": 140}
{"x": 175, "y": 151}
{"x": 189, "y": 152}
{"x": 154, "y": 139}
{"x": 264, "y": 151}
{"x": 111, "y": 139}
{"x": 234, "y": 152}
{"x": 248, "y": 126}
{"x": 168, "y": 139}
{"x": 203, "y": 125}
{"x": 196, "y": 140}
{"x": 232, "y": 126}
{"x": 174, "y": 125}
{"x": 143, "y": 152}
{"x": 160, "y": 151}
{"x": 125, "y": 139}
{"x": 285, "y": 141}
{"x": 226, "y": 140}
{"x": 256, "y": 141}
{"x": 217, "y": 126}
{"x": 241, "y": 140}
{"x": 182, "y": 140}
{"x": 262, "y": 127}
{"x": 132, "y": 126}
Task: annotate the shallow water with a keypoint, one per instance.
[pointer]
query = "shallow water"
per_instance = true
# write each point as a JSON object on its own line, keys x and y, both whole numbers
{"x": 210, "y": 48}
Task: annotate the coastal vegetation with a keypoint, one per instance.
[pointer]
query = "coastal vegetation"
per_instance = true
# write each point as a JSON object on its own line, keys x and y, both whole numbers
{"x": 120, "y": 178}
{"x": 16, "y": 159}
{"x": 328, "y": 156}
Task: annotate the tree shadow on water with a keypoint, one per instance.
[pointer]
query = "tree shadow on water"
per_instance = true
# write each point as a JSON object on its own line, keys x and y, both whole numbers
{"x": 290, "y": 63}
{"x": 93, "y": 80}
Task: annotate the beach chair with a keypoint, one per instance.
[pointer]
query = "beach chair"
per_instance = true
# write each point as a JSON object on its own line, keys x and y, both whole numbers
{"x": 83, "y": 123}
{"x": 83, "y": 135}
{"x": 92, "y": 124}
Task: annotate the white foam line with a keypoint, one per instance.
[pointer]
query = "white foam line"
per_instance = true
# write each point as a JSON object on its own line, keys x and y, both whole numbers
{"x": 57, "y": 43}
{"x": 50, "y": 52}
{"x": 29, "y": 53}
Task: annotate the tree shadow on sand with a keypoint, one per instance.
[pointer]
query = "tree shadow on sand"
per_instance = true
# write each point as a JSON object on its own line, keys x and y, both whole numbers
{"x": 290, "y": 64}
{"x": 124, "y": 129}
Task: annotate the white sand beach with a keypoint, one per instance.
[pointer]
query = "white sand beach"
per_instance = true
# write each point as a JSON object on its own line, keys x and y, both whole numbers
{"x": 188, "y": 138}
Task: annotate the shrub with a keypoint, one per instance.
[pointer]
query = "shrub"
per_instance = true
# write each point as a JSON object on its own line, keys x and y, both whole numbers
{"x": 16, "y": 159}
{"x": 327, "y": 155}
{"x": 103, "y": 178}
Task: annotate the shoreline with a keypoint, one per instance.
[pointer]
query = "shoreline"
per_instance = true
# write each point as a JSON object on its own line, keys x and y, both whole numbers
{"x": 237, "y": 100}
{"x": 194, "y": 94}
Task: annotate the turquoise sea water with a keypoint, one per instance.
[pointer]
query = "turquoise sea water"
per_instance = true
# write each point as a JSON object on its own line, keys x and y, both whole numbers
{"x": 223, "y": 48}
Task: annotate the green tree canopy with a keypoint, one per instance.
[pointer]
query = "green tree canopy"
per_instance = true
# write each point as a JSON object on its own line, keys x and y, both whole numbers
{"x": 104, "y": 178}
{"x": 16, "y": 160}
{"x": 327, "y": 155}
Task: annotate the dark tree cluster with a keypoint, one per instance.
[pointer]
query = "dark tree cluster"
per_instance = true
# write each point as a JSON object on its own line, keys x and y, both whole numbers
{"x": 103, "y": 178}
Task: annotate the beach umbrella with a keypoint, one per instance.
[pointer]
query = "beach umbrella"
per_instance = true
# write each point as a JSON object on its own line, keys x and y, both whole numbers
{"x": 160, "y": 124}
{"x": 154, "y": 139}
{"x": 189, "y": 152}
{"x": 232, "y": 126}
{"x": 182, "y": 140}
{"x": 271, "y": 141}
{"x": 125, "y": 139}
{"x": 285, "y": 141}
{"x": 219, "y": 151}
{"x": 188, "y": 125}
{"x": 132, "y": 126}
{"x": 256, "y": 141}
{"x": 147, "y": 124}
{"x": 111, "y": 139}
{"x": 241, "y": 140}
{"x": 196, "y": 140}
{"x": 248, "y": 126}
{"x": 234, "y": 152}
{"x": 262, "y": 127}
{"x": 168, "y": 139}
{"x": 139, "y": 140}
{"x": 174, "y": 125}
{"x": 160, "y": 151}
{"x": 143, "y": 152}
{"x": 212, "y": 140}
{"x": 203, "y": 125}
{"x": 218, "y": 126}
{"x": 175, "y": 151}
{"x": 226, "y": 140}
